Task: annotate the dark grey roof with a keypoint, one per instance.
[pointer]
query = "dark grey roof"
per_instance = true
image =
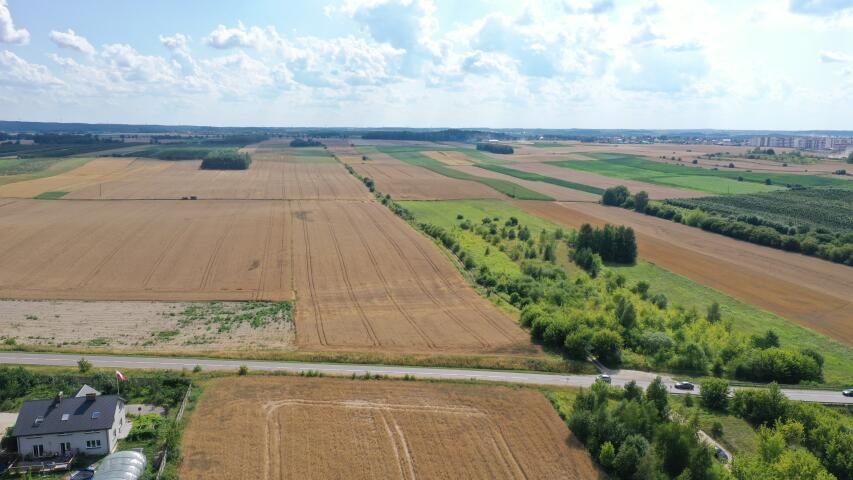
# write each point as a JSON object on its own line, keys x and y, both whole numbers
{"x": 80, "y": 411}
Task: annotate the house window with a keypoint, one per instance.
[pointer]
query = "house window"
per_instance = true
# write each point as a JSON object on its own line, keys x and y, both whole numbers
{"x": 38, "y": 450}
{"x": 90, "y": 444}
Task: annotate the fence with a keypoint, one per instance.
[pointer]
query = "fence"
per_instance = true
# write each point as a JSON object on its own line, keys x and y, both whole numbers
{"x": 178, "y": 418}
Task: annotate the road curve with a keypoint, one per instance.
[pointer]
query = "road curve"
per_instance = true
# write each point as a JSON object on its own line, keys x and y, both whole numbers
{"x": 345, "y": 369}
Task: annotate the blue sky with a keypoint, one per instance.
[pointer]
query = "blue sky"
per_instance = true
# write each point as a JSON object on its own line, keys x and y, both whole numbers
{"x": 775, "y": 64}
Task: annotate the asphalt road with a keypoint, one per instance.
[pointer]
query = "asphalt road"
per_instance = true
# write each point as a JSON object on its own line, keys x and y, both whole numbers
{"x": 179, "y": 363}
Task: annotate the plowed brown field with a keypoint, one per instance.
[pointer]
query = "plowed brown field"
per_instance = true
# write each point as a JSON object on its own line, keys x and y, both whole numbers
{"x": 601, "y": 181}
{"x": 271, "y": 428}
{"x": 812, "y": 292}
{"x": 363, "y": 278}
{"x": 408, "y": 182}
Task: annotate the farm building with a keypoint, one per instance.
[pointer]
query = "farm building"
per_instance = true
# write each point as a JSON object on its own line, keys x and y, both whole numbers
{"x": 89, "y": 424}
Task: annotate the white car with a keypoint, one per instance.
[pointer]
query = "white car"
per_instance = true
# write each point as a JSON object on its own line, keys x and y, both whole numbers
{"x": 603, "y": 378}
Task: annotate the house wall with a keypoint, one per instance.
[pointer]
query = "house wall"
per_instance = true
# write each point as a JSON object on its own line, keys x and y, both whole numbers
{"x": 78, "y": 440}
{"x": 119, "y": 419}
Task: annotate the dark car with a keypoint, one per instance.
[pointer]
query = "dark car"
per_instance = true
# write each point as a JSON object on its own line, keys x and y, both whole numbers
{"x": 721, "y": 454}
{"x": 603, "y": 378}
{"x": 684, "y": 386}
{"x": 848, "y": 392}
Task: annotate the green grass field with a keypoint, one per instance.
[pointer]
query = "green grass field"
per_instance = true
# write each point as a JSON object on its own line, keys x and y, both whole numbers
{"x": 738, "y": 435}
{"x": 633, "y": 167}
{"x": 473, "y": 153}
{"x": 679, "y": 290}
{"x": 50, "y": 195}
{"x": 418, "y": 159}
{"x": 542, "y": 178}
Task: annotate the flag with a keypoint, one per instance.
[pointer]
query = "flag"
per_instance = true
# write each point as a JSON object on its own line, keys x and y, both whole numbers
{"x": 120, "y": 376}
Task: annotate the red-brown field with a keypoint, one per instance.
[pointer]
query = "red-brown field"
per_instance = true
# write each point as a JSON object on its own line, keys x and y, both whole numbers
{"x": 307, "y": 428}
{"x": 362, "y": 278}
{"x": 812, "y": 292}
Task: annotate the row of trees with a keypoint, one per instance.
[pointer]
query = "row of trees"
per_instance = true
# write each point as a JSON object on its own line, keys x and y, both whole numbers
{"x": 501, "y": 148}
{"x": 612, "y": 243}
{"x": 750, "y": 228}
{"x": 304, "y": 142}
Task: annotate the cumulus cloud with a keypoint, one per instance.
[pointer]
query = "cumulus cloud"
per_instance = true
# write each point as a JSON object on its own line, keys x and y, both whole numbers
{"x": 828, "y": 56}
{"x": 131, "y": 66}
{"x": 17, "y": 72}
{"x": 73, "y": 41}
{"x": 253, "y": 37}
{"x": 819, "y": 7}
{"x": 8, "y": 32}
{"x": 657, "y": 69}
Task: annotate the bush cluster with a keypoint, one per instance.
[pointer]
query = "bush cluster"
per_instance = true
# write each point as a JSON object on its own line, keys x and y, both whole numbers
{"x": 612, "y": 243}
{"x": 632, "y": 434}
{"x": 226, "y": 159}
{"x": 500, "y": 148}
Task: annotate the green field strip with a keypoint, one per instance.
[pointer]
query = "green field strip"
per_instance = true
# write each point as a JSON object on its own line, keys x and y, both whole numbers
{"x": 633, "y": 167}
{"x": 50, "y": 195}
{"x": 418, "y": 159}
{"x": 542, "y": 178}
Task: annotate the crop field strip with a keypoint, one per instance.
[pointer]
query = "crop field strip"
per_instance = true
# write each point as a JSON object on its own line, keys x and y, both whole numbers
{"x": 721, "y": 181}
{"x": 555, "y": 192}
{"x": 335, "y": 428}
{"x": 415, "y": 157}
{"x": 811, "y": 292}
{"x": 405, "y": 181}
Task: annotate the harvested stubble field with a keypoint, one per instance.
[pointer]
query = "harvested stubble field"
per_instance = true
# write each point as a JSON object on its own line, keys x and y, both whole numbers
{"x": 364, "y": 279}
{"x": 809, "y": 291}
{"x": 276, "y": 174}
{"x": 295, "y": 427}
{"x": 147, "y": 326}
{"x": 601, "y": 181}
{"x": 409, "y": 182}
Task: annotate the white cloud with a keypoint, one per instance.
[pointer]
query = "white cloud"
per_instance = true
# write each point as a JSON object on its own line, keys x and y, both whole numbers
{"x": 829, "y": 56}
{"x": 17, "y": 72}
{"x": 596, "y": 7}
{"x": 8, "y": 32}
{"x": 73, "y": 41}
{"x": 342, "y": 61}
{"x": 819, "y": 7}
{"x": 253, "y": 37}
{"x": 126, "y": 64}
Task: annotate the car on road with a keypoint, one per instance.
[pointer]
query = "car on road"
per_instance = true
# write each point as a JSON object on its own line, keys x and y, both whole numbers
{"x": 721, "y": 455}
{"x": 684, "y": 386}
{"x": 603, "y": 378}
{"x": 848, "y": 392}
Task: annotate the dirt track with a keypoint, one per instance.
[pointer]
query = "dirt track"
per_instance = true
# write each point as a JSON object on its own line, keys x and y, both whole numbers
{"x": 293, "y": 427}
{"x": 812, "y": 292}
{"x": 362, "y": 277}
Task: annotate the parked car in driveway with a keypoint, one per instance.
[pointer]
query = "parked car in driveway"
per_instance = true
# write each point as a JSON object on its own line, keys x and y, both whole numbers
{"x": 684, "y": 386}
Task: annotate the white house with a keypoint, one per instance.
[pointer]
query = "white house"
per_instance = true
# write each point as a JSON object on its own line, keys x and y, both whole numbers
{"x": 87, "y": 425}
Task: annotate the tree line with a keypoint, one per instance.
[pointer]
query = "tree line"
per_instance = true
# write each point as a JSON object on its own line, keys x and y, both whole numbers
{"x": 500, "y": 148}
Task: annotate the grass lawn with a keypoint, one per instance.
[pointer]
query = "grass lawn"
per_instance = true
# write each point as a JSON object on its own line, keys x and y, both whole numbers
{"x": 542, "y": 178}
{"x": 633, "y": 167}
{"x": 20, "y": 170}
{"x": 747, "y": 318}
{"x": 416, "y": 158}
{"x": 738, "y": 435}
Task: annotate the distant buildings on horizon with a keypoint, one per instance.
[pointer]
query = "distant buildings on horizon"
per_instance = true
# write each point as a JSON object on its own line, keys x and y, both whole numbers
{"x": 812, "y": 143}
